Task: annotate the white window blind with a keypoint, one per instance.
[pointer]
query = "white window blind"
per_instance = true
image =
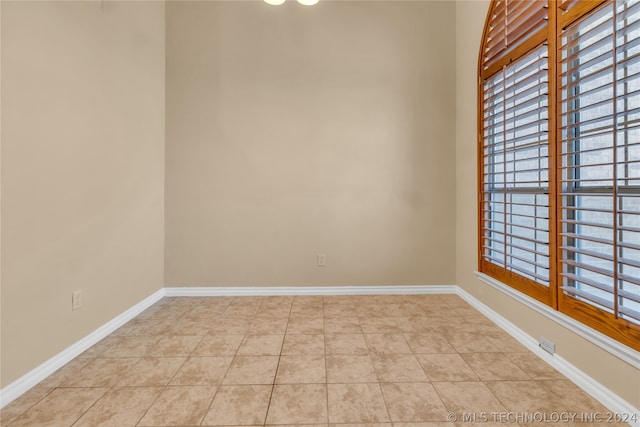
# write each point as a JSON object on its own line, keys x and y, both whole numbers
{"x": 600, "y": 160}
{"x": 515, "y": 157}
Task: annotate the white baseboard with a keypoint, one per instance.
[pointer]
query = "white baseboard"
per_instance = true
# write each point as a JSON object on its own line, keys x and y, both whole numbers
{"x": 599, "y": 392}
{"x": 605, "y": 396}
{"x": 621, "y": 351}
{"x": 20, "y": 386}
{"x": 308, "y": 290}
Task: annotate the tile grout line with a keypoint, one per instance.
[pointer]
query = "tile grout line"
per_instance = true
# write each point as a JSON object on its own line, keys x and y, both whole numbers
{"x": 109, "y": 389}
{"x": 164, "y": 387}
{"x": 51, "y": 390}
{"x": 89, "y": 408}
{"x": 275, "y": 374}
{"x": 449, "y": 410}
{"x": 206, "y": 412}
{"x": 326, "y": 367}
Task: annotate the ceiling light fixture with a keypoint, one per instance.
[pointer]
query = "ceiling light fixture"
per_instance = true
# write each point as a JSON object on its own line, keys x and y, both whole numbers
{"x": 279, "y": 2}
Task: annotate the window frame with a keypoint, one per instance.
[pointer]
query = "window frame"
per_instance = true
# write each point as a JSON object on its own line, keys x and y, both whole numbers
{"x": 544, "y": 294}
{"x": 561, "y": 15}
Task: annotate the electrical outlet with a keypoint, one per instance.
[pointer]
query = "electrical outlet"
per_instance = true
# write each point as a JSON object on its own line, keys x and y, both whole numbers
{"x": 76, "y": 300}
{"x": 322, "y": 260}
{"x": 547, "y": 345}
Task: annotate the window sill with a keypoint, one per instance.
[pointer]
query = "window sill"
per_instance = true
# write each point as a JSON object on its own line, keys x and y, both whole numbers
{"x": 610, "y": 345}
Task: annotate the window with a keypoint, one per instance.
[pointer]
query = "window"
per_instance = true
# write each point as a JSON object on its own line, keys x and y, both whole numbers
{"x": 560, "y": 157}
{"x": 515, "y": 153}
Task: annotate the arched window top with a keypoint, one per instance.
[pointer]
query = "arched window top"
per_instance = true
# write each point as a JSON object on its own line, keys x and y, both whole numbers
{"x": 510, "y": 25}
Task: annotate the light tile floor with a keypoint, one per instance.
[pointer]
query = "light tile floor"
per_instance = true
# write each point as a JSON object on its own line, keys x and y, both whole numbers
{"x": 384, "y": 360}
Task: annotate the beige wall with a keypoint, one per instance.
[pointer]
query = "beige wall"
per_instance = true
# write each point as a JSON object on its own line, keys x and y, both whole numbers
{"x": 290, "y": 132}
{"x": 82, "y": 169}
{"x": 610, "y": 371}
{"x": 293, "y": 131}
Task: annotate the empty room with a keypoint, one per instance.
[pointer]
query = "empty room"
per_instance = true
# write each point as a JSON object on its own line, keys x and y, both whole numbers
{"x": 319, "y": 213}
